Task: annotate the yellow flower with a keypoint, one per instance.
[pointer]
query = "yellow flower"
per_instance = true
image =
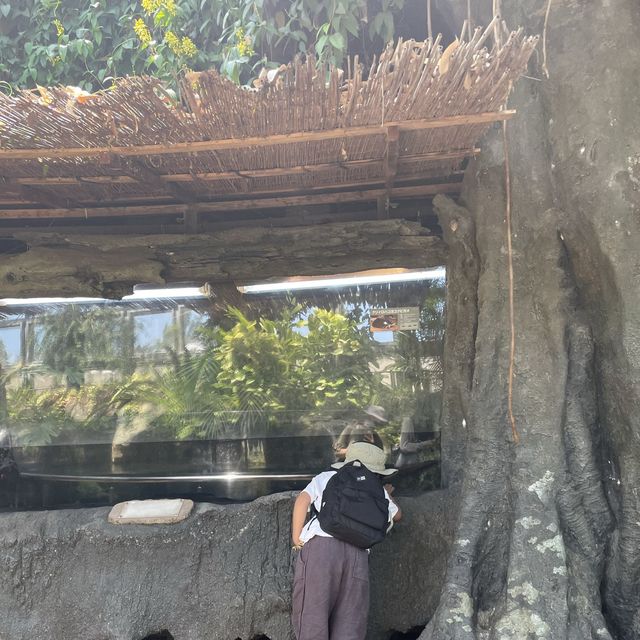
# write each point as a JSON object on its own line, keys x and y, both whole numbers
{"x": 151, "y": 6}
{"x": 173, "y": 42}
{"x": 184, "y": 47}
{"x": 244, "y": 43}
{"x": 142, "y": 31}
{"x": 59, "y": 27}
{"x": 189, "y": 49}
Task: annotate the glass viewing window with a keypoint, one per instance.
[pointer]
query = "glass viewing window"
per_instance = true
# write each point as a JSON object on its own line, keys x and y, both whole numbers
{"x": 188, "y": 391}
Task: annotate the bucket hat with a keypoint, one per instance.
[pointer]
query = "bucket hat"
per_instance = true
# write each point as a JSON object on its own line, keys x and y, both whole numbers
{"x": 369, "y": 455}
{"x": 377, "y": 413}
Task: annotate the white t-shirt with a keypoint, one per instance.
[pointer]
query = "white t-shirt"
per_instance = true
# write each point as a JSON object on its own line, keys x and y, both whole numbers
{"x": 315, "y": 489}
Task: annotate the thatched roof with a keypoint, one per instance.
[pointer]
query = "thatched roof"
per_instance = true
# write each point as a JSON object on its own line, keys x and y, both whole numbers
{"x": 402, "y": 130}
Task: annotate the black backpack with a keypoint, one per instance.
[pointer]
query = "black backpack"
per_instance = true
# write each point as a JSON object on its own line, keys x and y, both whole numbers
{"x": 354, "y": 507}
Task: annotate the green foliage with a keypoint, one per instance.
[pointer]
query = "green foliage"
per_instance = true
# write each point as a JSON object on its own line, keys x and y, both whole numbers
{"x": 90, "y": 44}
{"x": 249, "y": 373}
{"x": 254, "y": 374}
{"x": 186, "y": 396}
{"x": 426, "y": 344}
{"x": 40, "y": 417}
{"x": 336, "y": 360}
{"x": 295, "y": 364}
{"x": 417, "y": 367}
{"x": 74, "y": 340}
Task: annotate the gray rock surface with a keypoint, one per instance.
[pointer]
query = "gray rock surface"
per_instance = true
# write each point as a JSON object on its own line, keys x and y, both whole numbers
{"x": 222, "y": 574}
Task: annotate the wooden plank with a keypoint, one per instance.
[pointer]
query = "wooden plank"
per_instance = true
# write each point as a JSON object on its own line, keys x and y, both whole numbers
{"x": 86, "y": 181}
{"x": 45, "y": 196}
{"x": 259, "y": 141}
{"x": 370, "y": 195}
{"x": 290, "y": 217}
{"x": 358, "y": 185}
{"x": 160, "y": 195}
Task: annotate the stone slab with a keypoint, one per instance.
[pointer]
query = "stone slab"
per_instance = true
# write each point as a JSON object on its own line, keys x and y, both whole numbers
{"x": 150, "y": 511}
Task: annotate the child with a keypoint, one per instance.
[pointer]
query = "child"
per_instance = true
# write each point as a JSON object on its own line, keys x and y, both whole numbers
{"x": 331, "y": 583}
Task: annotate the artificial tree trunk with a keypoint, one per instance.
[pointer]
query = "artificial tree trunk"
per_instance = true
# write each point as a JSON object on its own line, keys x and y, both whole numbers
{"x": 548, "y": 535}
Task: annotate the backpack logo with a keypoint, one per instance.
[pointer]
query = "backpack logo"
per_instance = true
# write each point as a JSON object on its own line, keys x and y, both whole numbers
{"x": 360, "y": 478}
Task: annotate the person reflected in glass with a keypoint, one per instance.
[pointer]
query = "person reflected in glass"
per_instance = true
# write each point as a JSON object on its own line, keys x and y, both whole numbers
{"x": 362, "y": 429}
{"x": 410, "y": 447}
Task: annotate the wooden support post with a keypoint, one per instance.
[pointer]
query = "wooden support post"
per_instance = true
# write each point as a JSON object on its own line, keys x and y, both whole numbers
{"x": 191, "y": 221}
{"x": 391, "y": 155}
{"x": 383, "y": 206}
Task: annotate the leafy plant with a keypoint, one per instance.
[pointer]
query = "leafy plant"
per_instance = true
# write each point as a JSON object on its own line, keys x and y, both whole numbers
{"x": 92, "y": 43}
{"x": 40, "y": 417}
{"x": 418, "y": 364}
{"x": 295, "y": 363}
{"x": 74, "y": 339}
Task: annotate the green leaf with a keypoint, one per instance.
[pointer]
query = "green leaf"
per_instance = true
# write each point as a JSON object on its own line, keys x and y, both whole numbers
{"x": 28, "y": 47}
{"x": 337, "y": 41}
{"x": 62, "y": 52}
{"x": 351, "y": 25}
{"x": 5, "y": 9}
{"x": 388, "y": 22}
{"x": 321, "y": 44}
{"x": 376, "y": 25}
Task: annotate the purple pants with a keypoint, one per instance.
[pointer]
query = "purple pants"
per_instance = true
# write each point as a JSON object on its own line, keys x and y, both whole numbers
{"x": 331, "y": 591}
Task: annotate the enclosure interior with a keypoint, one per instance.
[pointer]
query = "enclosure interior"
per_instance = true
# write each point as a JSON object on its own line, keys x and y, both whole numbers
{"x": 173, "y": 392}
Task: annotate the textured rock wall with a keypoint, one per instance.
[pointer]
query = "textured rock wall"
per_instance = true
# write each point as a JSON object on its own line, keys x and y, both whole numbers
{"x": 223, "y": 574}
{"x": 82, "y": 264}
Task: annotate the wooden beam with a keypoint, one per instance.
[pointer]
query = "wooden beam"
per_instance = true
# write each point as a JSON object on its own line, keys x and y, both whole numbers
{"x": 249, "y": 173}
{"x": 46, "y": 196}
{"x": 164, "y": 197}
{"x": 202, "y": 146}
{"x": 291, "y": 216}
{"x": 370, "y": 195}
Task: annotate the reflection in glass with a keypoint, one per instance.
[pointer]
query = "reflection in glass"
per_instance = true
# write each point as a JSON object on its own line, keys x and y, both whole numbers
{"x": 188, "y": 394}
